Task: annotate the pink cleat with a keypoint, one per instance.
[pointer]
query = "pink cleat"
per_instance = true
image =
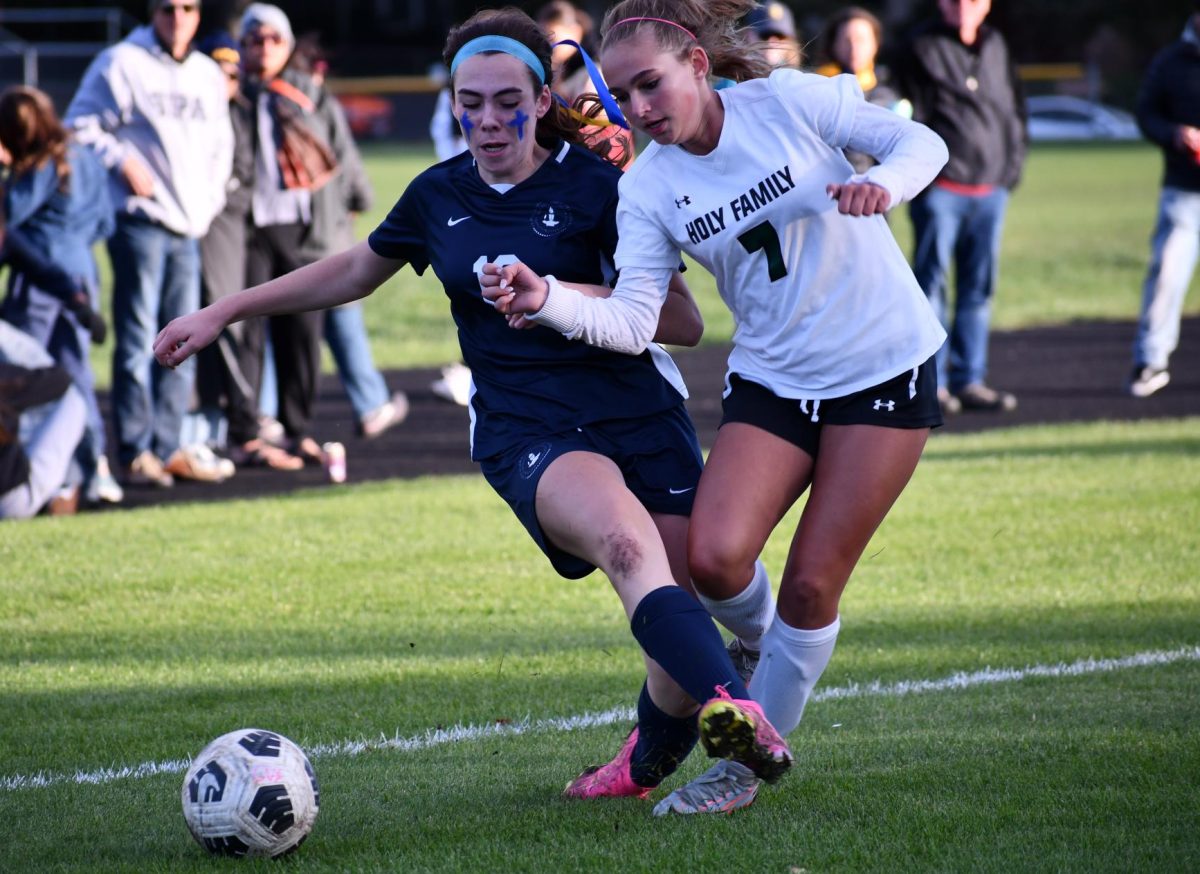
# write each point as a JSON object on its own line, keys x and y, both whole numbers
{"x": 737, "y": 729}
{"x": 611, "y": 780}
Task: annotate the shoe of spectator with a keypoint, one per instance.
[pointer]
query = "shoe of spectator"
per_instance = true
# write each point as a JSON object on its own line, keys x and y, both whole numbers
{"x": 454, "y": 384}
{"x": 383, "y": 417}
{"x": 271, "y": 430}
{"x": 1146, "y": 380}
{"x": 148, "y": 470}
{"x": 103, "y": 487}
{"x": 260, "y": 453}
{"x": 199, "y": 463}
{"x": 950, "y": 405}
{"x": 984, "y": 398}
{"x": 64, "y": 503}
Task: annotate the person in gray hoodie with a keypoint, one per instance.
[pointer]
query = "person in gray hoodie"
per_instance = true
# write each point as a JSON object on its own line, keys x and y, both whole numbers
{"x": 156, "y": 114}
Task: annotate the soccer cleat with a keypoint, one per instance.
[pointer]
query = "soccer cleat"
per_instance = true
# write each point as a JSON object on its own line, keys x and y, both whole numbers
{"x": 737, "y": 729}
{"x": 744, "y": 659}
{"x": 1145, "y": 380}
{"x": 723, "y": 788}
{"x": 612, "y": 780}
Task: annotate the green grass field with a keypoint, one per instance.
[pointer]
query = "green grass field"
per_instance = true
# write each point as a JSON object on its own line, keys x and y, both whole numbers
{"x": 1015, "y": 687}
{"x": 388, "y": 610}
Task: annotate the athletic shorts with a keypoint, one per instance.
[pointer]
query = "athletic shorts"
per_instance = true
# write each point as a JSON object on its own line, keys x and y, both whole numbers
{"x": 659, "y": 456}
{"x": 908, "y": 400}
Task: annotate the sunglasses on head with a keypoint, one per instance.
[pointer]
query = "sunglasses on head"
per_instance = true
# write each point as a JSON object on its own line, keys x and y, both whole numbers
{"x": 179, "y": 8}
{"x": 258, "y": 39}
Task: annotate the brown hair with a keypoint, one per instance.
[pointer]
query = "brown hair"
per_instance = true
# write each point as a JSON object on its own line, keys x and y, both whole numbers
{"x": 713, "y": 23}
{"x": 513, "y": 23}
{"x": 839, "y": 20}
{"x": 31, "y": 132}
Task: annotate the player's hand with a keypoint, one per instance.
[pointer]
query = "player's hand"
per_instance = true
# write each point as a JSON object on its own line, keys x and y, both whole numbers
{"x": 518, "y": 321}
{"x": 137, "y": 176}
{"x": 185, "y": 336}
{"x": 859, "y": 198}
{"x": 513, "y": 289}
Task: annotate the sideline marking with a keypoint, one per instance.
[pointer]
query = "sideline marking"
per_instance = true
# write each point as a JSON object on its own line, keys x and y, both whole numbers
{"x": 465, "y": 733}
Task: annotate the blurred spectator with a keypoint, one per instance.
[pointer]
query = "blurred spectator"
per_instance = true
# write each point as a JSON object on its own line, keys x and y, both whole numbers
{"x": 852, "y": 40}
{"x": 444, "y": 129}
{"x": 375, "y": 408}
{"x": 308, "y": 180}
{"x": 42, "y": 419}
{"x": 56, "y": 204}
{"x": 957, "y": 72}
{"x": 155, "y": 113}
{"x": 1168, "y": 112}
{"x": 775, "y": 26}
{"x": 228, "y": 371}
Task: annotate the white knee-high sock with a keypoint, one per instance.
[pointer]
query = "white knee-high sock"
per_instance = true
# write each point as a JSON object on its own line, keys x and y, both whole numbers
{"x": 748, "y": 613}
{"x": 793, "y": 659}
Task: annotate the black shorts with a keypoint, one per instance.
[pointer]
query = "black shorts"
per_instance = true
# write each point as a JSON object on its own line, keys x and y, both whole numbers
{"x": 908, "y": 400}
{"x": 658, "y": 455}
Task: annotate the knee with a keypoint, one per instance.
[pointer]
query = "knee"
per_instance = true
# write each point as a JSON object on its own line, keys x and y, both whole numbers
{"x": 719, "y": 570}
{"x": 622, "y": 552}
{"x": 804, "y": 599}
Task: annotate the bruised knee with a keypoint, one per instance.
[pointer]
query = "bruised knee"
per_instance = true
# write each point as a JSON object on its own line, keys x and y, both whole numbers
{"x": 623, "y": 553}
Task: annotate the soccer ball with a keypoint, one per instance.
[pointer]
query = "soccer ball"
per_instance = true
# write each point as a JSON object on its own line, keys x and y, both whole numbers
{"x": 250, "y": 793}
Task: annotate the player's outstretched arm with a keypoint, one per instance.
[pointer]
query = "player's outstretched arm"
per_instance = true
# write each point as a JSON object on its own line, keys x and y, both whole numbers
{"x": 330, "y": 282}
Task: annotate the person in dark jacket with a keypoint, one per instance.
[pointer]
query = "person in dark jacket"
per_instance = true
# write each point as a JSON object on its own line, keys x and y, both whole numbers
{"x": 308, "y": 181}
{"x": 1168, "y": 112}
{"x": 957, "y": 72}
{"x": 227, "y": 374}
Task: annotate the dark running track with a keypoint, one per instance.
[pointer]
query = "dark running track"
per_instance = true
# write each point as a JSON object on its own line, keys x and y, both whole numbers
{"x": 1070, "y": 373}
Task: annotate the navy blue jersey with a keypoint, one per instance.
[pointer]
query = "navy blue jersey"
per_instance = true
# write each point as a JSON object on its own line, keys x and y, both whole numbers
{"x": 560, "y": 221}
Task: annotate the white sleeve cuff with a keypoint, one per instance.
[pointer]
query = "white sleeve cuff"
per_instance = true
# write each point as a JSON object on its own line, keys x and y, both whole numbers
{"x": 561, "y": 309}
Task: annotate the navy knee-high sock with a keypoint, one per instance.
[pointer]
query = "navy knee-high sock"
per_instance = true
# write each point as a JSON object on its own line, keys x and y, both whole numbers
{"x": 675, "y": 631}
{"x": 664, "y": 741}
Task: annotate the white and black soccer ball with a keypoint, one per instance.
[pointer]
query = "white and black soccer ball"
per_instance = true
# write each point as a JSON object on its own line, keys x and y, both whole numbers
{"x": 250, "y": 793}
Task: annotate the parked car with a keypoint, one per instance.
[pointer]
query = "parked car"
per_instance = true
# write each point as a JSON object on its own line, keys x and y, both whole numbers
{"x": 1060, "y": 117}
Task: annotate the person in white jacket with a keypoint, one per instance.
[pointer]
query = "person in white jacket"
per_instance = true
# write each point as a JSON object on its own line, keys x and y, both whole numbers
{"x": 157, "y": 116}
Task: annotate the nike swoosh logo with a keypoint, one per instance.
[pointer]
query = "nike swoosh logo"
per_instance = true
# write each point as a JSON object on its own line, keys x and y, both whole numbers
{"x": 680, "y": 491}
{"x": 452, "y": 222}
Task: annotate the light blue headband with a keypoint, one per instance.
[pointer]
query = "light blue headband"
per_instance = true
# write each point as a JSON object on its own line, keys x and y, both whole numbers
{"x": 507, "y": 45}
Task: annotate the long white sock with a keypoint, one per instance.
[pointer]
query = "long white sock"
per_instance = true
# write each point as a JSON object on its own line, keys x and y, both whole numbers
{"x": 748, "y": 613}
{"x": 793, "y": 659}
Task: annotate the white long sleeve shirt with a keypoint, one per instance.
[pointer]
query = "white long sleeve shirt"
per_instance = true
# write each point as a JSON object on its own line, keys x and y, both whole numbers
{"x": 824, "y": 304}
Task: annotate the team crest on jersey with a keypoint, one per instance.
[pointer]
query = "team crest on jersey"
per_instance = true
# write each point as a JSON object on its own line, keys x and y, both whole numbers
{"x": 533, "y": 459}
{"x": 551, "y": 218}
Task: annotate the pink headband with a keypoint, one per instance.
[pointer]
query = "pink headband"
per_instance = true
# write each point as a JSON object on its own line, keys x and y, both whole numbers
{"x": 659, "y": 20}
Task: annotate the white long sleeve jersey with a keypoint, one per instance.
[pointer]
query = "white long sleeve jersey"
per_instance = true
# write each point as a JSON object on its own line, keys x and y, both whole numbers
{"x": 824, "y": 304}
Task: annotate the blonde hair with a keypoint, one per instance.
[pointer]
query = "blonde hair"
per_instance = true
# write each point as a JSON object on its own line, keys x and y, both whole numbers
{"x": 682, "y": 24}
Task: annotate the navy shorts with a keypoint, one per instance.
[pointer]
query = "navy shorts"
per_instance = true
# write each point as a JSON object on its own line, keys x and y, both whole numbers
{"x": 658, "y": 455}
{"x": 907, "y": 400}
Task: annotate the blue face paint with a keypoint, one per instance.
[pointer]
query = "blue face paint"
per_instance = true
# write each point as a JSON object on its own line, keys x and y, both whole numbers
{"x": 466, "y": 124}
{"x": 519, "y": 123}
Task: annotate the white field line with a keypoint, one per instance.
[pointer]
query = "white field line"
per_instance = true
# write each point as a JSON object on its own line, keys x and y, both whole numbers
{"x": 466, "y": 733}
